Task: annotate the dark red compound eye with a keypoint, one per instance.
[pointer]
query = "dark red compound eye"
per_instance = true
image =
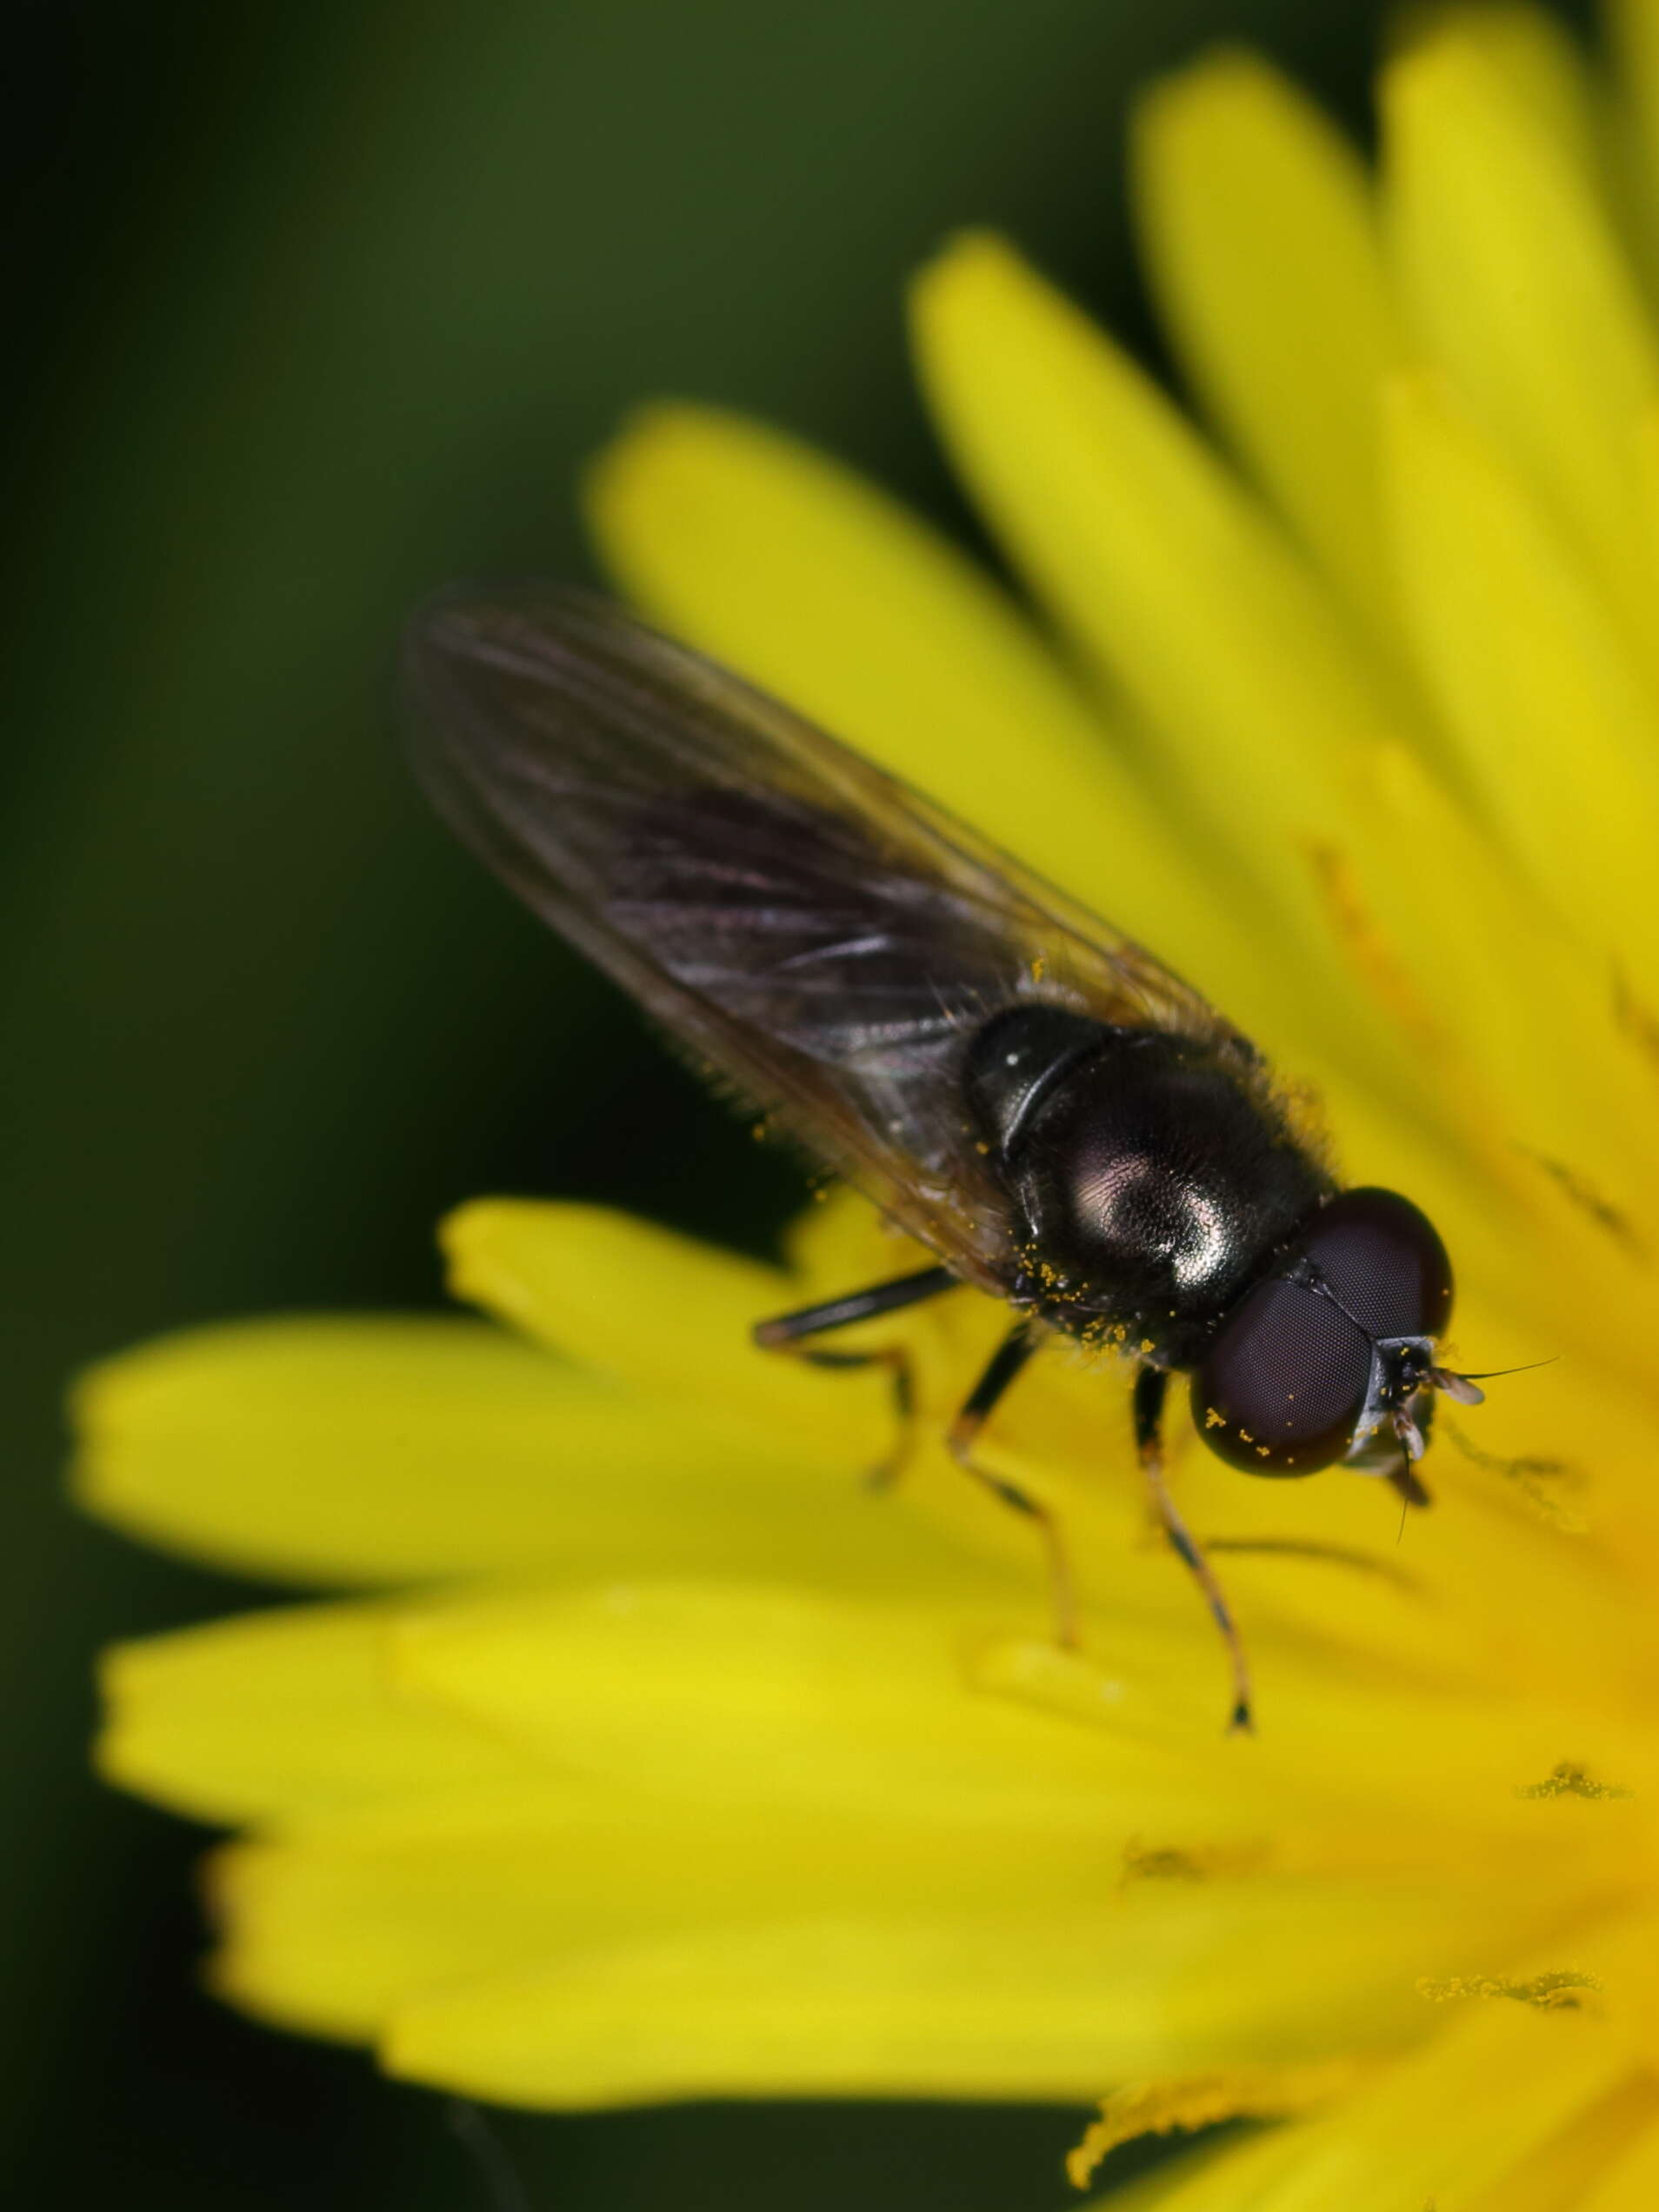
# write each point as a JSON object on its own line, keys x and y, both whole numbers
{"x": 1283, "y": 1385}
{"x": 1383, "y": 1261}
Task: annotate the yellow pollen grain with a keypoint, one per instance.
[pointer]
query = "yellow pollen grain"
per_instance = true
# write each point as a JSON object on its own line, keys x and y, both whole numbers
{"x": 1568, "y": 1779}
{"x": 1200, "y": 2101}
{"x": 1189, "y": 1862}
{"x": 1562, "y": 1989}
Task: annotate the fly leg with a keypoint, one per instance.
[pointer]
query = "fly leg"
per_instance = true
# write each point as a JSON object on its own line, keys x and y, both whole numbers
{"x": 1150, "y": 1386}
{"x": 987, "y": 1394}
{"x": 787, "y": 1333}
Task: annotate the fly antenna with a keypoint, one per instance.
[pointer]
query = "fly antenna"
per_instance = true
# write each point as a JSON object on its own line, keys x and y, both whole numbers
{"x": 1490, "y": 1373}
{"x": 1462, "y": 1386}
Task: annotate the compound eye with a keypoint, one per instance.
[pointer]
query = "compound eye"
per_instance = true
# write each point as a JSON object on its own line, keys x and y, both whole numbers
{"x": 1384, "y": 1262}
{"x": 1284, "y": 1382}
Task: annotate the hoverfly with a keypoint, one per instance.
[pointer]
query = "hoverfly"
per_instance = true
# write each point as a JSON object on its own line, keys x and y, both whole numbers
{"x": 1022, "y": 1089}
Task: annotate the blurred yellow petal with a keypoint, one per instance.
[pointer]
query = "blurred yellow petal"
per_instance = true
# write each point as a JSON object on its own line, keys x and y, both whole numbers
{"x": 732, "y": 1693}
{"x": 342, "y": 1926}
{"x": 323, "y": 1945}
{"x": 1159, "y": 562}
{"x": 1261, "y": 239}
{"x": 1201, "y": 2100}
{"x": 660, "y": 1312}
{"x": 1557, "y": 733}
{"x": 725, "y": 1693}
{"x": 1544, "y": 63}
{"x": 331, "y": 1929}
{"x": 1431, "y": 917}
{"x": 1012, "y": 2002}
{"x": 1459, "y": 2124}
{"x": 820, "y": 587}
{"x": 1631, "y": 2181}
{"x": 1259, "y": 696}
{"x": 1516, "y": 289}
{"x": 1563, "y": 2173}
{"x": 414, "y": 1449}
{"x": 281, "y": 1713}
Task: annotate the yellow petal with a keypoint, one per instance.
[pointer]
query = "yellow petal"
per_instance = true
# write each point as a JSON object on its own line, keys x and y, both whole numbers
{"x": 1556, "y": 730}
{"x": 340, "y": 1926}
{"x": 940, "y": 1705}
{"x": 1465, "y": 2114}
{"x": 1156, "y": 558}
{"x": 1565, "y": 2173}
{"x": 1168, "y": 574}
{"x": 1516, "y": 287}
{"x": 1544, "y": 63}
{"x": 727, "y": 1693}
{"x": 331, "y": 1929}
{"x": 1019, "y": 2001}
{"x": 1438, "y": 924}
{"x": 1260, "y": 238}
{"x": 662, "y": 1312}
{"x": 1631, "y": 2183}
{"x": 820, "y": 587}
{"x": 1202, "y": 2101}
{"x": 413, "y": 1449}
{"x": 281, "y": 1713}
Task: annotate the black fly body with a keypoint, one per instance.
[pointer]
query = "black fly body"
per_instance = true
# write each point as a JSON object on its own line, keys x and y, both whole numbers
{"x": 1064, "y": 1123}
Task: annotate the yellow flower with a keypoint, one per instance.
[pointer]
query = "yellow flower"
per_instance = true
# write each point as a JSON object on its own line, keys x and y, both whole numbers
{"x": 670, "y": 1762}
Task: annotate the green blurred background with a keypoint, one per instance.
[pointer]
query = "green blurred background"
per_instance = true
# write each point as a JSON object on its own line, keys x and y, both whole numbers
{"x": 314, "y": 306}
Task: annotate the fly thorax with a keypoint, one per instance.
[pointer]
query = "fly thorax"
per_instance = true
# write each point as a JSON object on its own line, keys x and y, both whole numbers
{"x": 1149, "y": 1178}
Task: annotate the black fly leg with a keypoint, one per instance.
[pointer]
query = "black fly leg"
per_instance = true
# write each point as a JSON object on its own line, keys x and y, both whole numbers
{"x": 786, "y": 1332}
{"x": 1151, "y": 1385}
{"x": 987, "y": 1394}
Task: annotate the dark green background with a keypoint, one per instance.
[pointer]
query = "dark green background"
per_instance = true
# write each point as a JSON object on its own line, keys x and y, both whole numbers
{"x": 313, "y": 306}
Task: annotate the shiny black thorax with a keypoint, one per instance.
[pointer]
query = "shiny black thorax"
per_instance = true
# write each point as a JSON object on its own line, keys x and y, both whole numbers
{"x": 1152, "y": 1176}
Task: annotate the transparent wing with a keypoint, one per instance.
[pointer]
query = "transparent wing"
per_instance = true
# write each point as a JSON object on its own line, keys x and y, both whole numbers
{"x": 820, "y": 935}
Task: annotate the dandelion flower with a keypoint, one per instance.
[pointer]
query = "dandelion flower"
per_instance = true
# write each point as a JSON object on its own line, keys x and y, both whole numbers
{"x": 648, "y": 1756}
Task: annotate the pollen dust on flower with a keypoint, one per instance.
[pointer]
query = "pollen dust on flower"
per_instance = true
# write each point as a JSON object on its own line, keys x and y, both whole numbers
{"x": 1168, "y": 2108}
{"x": 1568, "y": 1779}
{"x": 1563, "y": 1989}
{"x": 1193, "y": 1862}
